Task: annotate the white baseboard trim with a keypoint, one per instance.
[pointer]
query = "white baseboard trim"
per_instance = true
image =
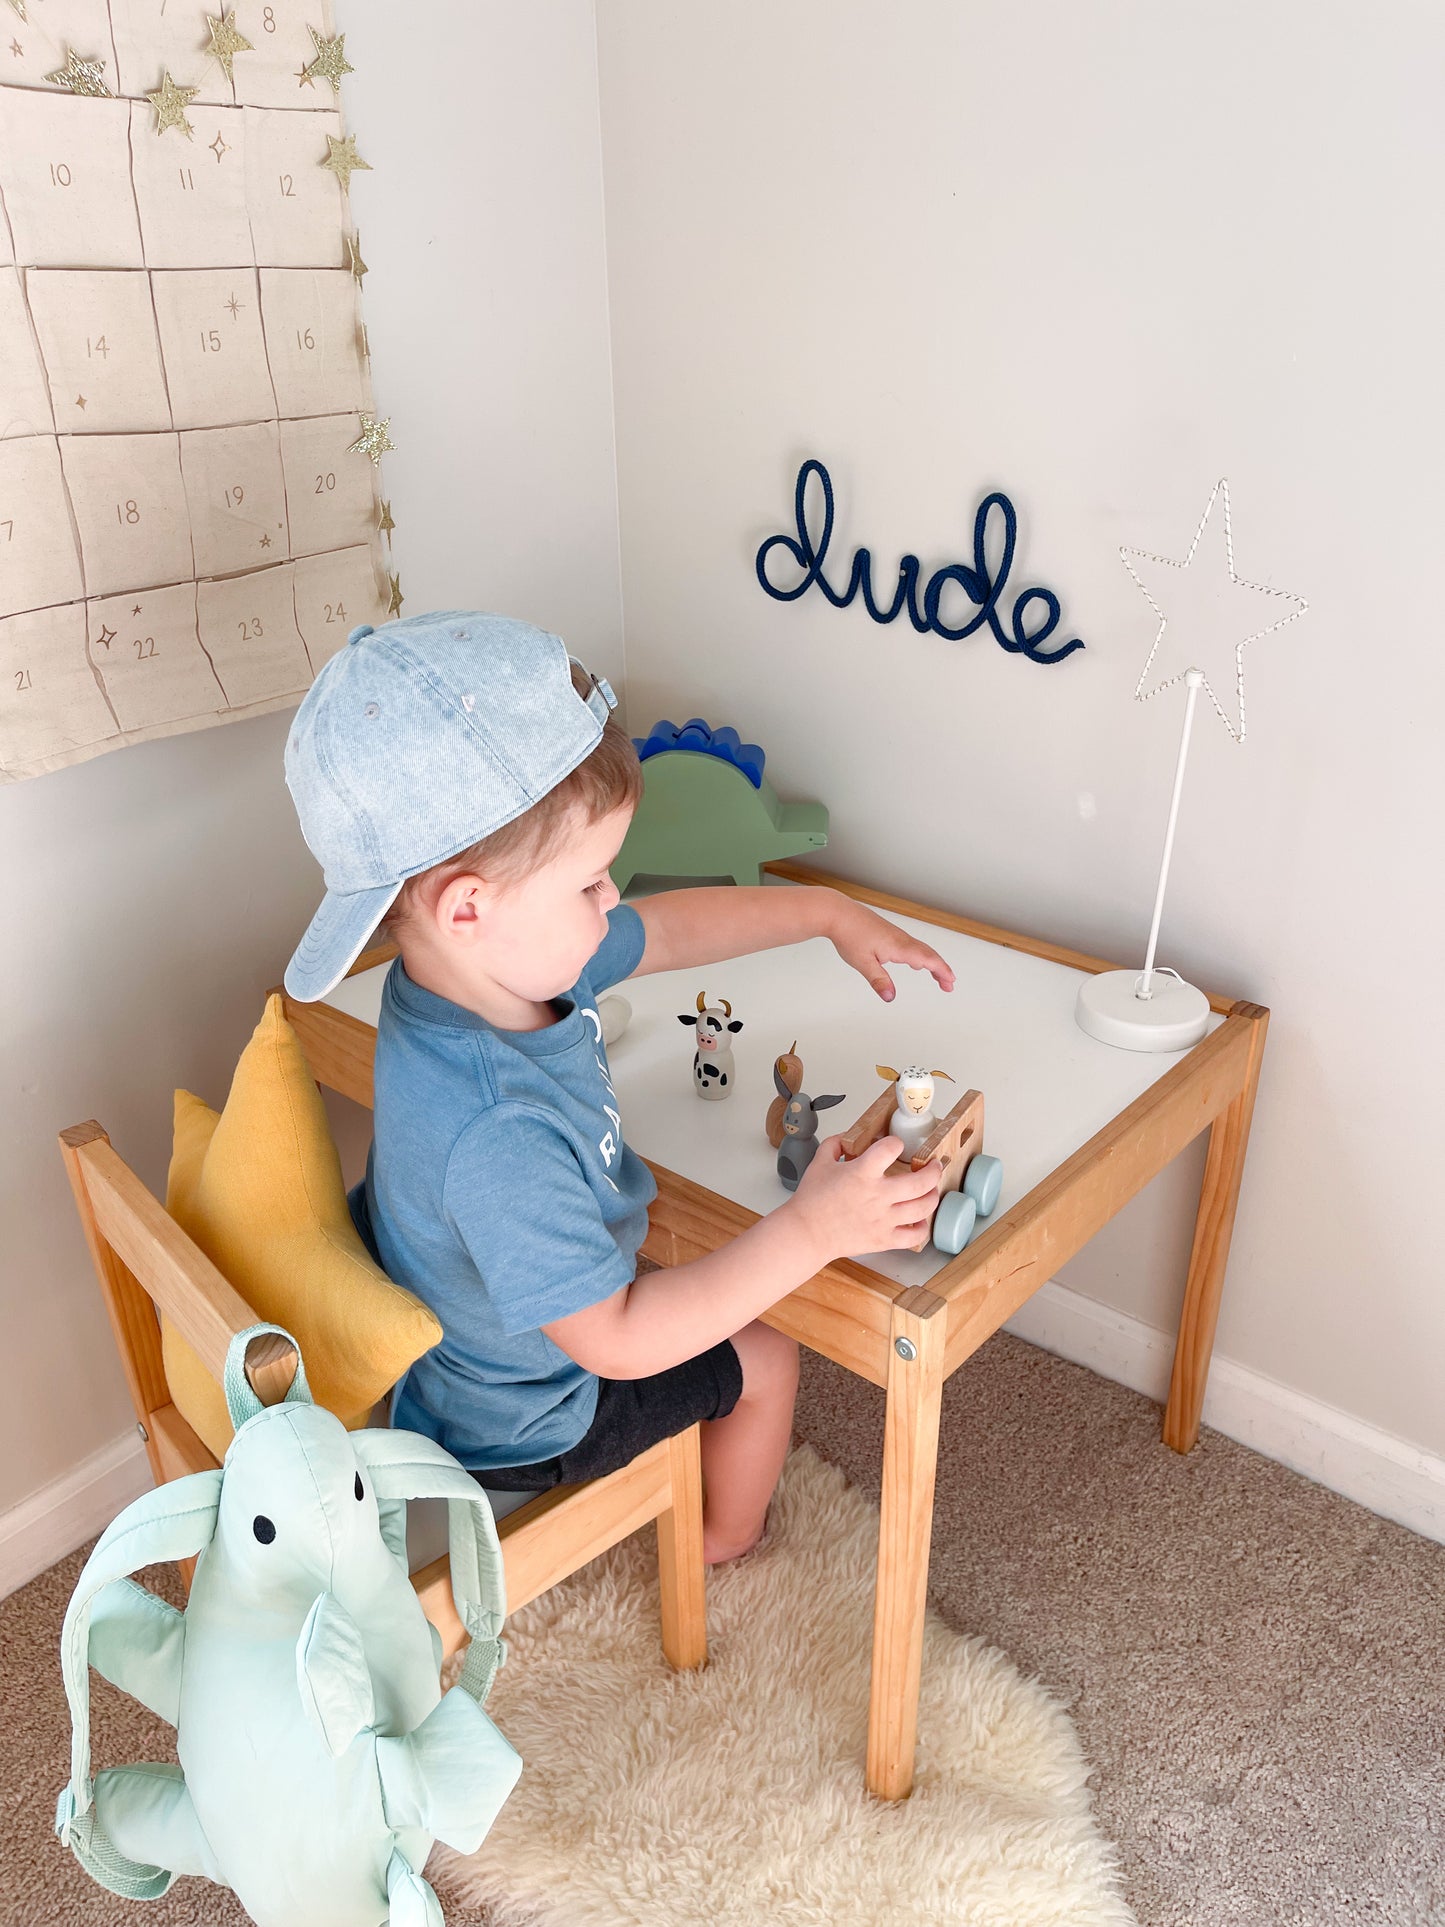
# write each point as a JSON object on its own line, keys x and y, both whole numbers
{"x": 71, "y": 1509}
{"x": 1370, "y": 1466}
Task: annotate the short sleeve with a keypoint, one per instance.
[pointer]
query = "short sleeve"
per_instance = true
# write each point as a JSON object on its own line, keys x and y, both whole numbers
{"x": 532, "y": 1225}
{"x": 620, "y": 951}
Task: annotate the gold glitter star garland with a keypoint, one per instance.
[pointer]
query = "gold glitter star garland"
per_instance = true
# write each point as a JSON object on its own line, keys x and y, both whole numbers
{"x": 343, "y": 159}
{"x": 373, "y": 439}
{"x": 330, "y": 62}
{"x": 170, "y": 103}
{"x": 227, "y": 41}
{"x": 78, "y": 75}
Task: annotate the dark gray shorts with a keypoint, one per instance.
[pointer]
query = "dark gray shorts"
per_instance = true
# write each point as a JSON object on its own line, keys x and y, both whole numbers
{"x": 631, "y": 1415}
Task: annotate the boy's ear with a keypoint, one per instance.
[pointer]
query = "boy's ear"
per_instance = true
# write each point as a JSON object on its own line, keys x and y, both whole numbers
{"x": 460, "y": 905}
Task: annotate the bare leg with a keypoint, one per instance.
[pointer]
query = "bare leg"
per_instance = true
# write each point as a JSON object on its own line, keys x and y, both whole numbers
{"x": 743, "y": 1453}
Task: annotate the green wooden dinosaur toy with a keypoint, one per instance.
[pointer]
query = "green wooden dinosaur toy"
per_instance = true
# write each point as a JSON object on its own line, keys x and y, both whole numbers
{"x": 707, "y": 810}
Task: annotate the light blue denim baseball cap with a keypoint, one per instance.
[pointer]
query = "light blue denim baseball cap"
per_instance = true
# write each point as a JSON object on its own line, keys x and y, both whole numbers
{"x": 416, "y": 740}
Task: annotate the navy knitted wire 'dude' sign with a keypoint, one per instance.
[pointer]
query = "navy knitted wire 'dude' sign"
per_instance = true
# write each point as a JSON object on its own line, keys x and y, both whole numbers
{"x": 978, "y": 583}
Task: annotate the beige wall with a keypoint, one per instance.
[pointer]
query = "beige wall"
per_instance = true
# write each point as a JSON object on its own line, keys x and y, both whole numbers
{"x": 151, "y": 896}
{"x": 1097, "y": 256}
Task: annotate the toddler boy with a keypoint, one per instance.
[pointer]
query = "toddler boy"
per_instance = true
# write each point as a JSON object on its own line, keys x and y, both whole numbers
{"x": 460, "y": 777}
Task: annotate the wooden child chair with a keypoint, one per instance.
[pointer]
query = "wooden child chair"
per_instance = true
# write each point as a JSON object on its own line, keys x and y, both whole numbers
{"x": 151, "y": 1271}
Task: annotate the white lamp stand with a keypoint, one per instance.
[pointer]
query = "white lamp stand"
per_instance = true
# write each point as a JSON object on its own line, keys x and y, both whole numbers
{"x": 1152, "y": 1010}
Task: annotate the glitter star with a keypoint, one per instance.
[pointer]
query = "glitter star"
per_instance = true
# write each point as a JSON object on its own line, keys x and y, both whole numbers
{"x": 80, "y": 76}
{"x": 170, "y": 103}
{"x": 393, "y": 608}
{"x": 330, "y": 62}
{"x": 373, "y": 439}
{"x": 106, "y": 637}
{"x": 265, "y": 541}
{"x": 343, "y": 159}
{"x": 385, "y": 525}
{"x": 80, "y": 401}
{"x": 1217, "y": 602}
{"x": 136, "y": 610}
{"x": 353, "y": 249}
{"x": 227, "y": 41}
{"x": 219, "y": 147}
{"x": 234, "y": 305}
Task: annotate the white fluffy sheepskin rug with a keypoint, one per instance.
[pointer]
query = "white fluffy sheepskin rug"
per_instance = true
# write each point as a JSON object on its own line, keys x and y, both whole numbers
{"x": 735, "y": 1794}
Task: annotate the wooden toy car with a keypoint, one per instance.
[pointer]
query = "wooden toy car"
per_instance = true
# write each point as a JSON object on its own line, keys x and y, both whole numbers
{"x": 971, "y": 1179}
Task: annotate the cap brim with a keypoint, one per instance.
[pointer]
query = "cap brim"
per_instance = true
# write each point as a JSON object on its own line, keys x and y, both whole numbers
{"x": 334, "y": 939}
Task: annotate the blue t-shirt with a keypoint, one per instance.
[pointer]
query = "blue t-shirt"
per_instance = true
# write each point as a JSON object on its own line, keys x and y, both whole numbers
{"x": 499, "y": 1190}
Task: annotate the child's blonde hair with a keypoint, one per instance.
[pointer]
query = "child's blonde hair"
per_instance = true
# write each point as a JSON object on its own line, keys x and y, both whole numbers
{"x": 608, "y": 778}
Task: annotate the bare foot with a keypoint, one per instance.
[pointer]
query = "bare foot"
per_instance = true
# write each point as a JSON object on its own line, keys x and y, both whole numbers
{"x": 725, "y": 1555}
{"x": 715, "y": 1553}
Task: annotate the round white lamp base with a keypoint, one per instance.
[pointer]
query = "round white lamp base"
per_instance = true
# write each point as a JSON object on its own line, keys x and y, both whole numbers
{"x": 1111, "y": 1009}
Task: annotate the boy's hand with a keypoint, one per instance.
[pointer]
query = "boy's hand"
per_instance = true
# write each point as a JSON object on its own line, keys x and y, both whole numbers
{"x": 852, "y": 1205}
{"x": 869, "y": 942}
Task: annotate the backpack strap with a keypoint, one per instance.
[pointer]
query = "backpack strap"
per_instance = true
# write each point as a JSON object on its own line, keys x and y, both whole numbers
{"x": 404, "y": 1465}
{"x": 241, "y": 1400}
{"x": 176, "y": 1521}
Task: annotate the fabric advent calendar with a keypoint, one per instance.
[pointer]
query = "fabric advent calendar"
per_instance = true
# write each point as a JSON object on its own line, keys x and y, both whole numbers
{"x": 190, "y": 519}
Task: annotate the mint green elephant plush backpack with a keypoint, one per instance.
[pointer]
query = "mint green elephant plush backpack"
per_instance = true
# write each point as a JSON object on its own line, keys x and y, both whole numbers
{"x": 319, "y": 1757}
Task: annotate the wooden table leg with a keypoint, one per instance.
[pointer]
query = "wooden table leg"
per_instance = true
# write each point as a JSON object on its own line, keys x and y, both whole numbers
{"x": 1213, "y": 1228}
{"x": 910, "y": 1464}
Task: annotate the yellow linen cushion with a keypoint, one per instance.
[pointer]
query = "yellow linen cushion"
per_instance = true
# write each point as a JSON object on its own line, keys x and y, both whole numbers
{"x": 259, "y": 1189}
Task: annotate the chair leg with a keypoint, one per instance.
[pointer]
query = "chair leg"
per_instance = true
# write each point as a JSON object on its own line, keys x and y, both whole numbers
{"x": 679, "y": 1556}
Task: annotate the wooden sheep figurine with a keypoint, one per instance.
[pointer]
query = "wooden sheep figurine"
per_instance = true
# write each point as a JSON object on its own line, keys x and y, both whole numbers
{"x": 800, "y": 1130}
{"x": 713, "y": 1070}
{"x": 913, "y": 1119}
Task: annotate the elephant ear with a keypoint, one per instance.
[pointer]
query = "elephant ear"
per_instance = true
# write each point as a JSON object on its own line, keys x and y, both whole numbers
{"x": 176, "y": 1521}
{"x": 404, "y": 1465}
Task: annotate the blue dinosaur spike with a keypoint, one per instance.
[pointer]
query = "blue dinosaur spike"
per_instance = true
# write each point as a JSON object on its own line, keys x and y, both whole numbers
{"x": 661, "y": 736}
{"x": 698, "y": 736}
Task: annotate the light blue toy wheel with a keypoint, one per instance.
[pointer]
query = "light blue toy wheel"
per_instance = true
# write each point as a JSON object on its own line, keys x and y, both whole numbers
{"x": 953, "y": 1222}
{"x": 983, "y": 1180}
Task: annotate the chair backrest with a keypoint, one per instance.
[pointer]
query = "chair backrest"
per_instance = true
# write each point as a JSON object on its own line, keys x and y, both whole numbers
{"x": 145, "y": 1263}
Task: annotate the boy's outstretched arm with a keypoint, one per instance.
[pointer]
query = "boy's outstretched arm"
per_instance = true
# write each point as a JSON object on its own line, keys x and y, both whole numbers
{"x": 840, "y": 1207}
{"x": 688, "y": 928}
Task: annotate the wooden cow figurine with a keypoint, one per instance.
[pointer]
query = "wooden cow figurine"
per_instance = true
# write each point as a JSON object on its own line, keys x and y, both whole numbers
{"x": 713, "y": 1070}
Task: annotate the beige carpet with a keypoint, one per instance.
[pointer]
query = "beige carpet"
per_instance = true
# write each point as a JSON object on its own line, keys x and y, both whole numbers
{"x": 735, "y": 1795}
{"x": 1254, "y": 1666}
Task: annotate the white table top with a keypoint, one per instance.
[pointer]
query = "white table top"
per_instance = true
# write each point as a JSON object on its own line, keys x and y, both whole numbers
{"x": 1006, "y": 1029}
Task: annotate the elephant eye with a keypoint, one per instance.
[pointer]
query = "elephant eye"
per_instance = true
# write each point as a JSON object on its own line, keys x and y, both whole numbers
{"x": 263, "y": 1528}
{"x": 357, "y": 1488}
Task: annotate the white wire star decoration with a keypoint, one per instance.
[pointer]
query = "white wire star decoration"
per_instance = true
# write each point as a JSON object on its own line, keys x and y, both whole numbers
{"x": 1141, "y": 694}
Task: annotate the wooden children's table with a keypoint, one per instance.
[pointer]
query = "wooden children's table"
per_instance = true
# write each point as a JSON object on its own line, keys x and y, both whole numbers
{"x": 1081, "y": 1128}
